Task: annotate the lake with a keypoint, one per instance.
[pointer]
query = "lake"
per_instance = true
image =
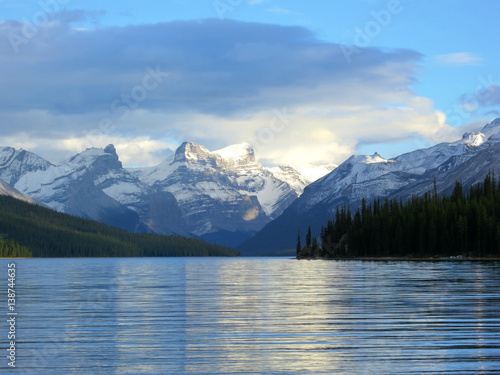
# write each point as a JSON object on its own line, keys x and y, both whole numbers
{"x": 252, "y": 316}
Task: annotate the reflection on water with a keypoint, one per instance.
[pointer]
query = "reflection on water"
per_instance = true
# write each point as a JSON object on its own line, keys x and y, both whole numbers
{"x": 254, "y": 316}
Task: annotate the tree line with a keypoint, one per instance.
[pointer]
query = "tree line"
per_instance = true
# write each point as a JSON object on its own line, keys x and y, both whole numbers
{"x": 11, "y": 249}
{"x": 462, "y": 224}
{"x": 27, "y": 229}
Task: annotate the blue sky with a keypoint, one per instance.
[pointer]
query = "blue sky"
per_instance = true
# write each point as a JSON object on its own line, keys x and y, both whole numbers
{"x": 306, "y": 82}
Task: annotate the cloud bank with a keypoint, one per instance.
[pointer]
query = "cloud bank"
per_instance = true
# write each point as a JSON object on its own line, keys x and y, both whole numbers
{"x": 217, "y": 82}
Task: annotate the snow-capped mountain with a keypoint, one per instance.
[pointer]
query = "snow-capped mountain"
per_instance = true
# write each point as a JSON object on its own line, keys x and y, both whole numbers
{"x": 71, "y": 186}
{"x": 223, "y": 196}
{"x": 16, "y": 163}
{"x": 467, "y": 160}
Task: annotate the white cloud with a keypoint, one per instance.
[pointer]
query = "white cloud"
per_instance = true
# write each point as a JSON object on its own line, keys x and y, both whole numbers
{"x": 278, "y": 10}
{"x": 459, "y": 59}
{"x": 294, "y": 97}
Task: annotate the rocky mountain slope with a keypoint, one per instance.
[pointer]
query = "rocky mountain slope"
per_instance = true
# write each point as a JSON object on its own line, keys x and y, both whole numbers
{"x": 226, "y": 195}
{"x": 7, "y": 190}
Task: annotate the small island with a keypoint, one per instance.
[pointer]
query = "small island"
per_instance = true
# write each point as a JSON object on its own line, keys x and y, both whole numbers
{"x": 457, "y": 227}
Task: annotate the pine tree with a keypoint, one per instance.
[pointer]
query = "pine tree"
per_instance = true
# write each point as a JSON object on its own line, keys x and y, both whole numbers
{"x": 299, "y": 247}
{"x": 314, "y": 244}
{"x": 308, "y": 237}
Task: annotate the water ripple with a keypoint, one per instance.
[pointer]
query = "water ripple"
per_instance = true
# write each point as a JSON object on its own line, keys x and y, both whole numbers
{"x": 255, "y": 316}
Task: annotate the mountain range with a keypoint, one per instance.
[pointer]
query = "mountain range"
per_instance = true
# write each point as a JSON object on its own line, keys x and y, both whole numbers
{"x": 228, "y": 197}
{"x": 467, "y": 160}
{"x": 224, "y": 196}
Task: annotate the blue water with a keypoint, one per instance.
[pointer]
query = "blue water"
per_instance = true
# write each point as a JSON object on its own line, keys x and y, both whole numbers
{"x": 252, "y": 316}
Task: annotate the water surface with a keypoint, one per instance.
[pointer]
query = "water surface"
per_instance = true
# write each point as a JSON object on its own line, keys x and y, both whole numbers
{"x": 253, "y": 316}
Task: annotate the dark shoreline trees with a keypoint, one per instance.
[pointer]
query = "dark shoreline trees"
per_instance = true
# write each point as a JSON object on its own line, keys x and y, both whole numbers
{"x": 428, "y": 226}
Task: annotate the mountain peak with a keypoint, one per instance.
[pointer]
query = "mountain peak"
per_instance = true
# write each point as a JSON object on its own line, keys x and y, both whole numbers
{"x": 241, "y": 153}
{"x": 190, "y": 151}
{"x": 376, "y": 158}
{"x": 110, "y": 149}
{"x": 14, "y": 163}
{"x": 98, "y": 156}
{"x": 473, "y": 139}
{"x": 368, "y": 159}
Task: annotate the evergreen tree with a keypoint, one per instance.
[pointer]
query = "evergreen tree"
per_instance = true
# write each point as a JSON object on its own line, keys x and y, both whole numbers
{"x": 299, "y": 246}
{"x": 308, "y": 237}
{"x": 315, "y": 244}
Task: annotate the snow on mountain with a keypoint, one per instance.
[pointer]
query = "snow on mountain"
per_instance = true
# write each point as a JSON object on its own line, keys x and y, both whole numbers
{"x": 492, "y": 129}
{"x": 195, "y": 192}
{"x": 312, "y": 174}
{"x": 369, "y": 177}
{"x": 227, "y": 195}
{"x": 376, "y": 158}
{"x": 15, "y": 163}
{"x": 474, "y": 139}
{"x": 226, "y": 190}
{"x": 350, "y": 175}
{"x": 71, "y": 186}
{"x": 6, "y": 189}
{"x": 295, "y": 179}
{"x": 299, "y": 178}
{"x": 239, "y": 165}
{"x": 239, "y": 155}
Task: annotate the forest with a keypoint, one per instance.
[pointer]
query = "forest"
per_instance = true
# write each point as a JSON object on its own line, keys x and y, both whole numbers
{"x": 28, "y": 230}
{"x": 433, "y": 226}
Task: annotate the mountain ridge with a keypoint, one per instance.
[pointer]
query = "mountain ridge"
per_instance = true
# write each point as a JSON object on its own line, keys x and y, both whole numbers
{"x": 223, "y": 194}
{"x": 369, "y": 177}
{"x": 226, "y": 190}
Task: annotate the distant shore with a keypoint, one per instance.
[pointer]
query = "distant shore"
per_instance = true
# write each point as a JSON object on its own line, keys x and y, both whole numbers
{"x": 427, "y": 259}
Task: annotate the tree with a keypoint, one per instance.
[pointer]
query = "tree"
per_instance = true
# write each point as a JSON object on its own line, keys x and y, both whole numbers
{"x": 308, "y": 237}
{"x": 314, "y": 244}
{"x": 458, "y": 194}
{"x": 299, "y": 247}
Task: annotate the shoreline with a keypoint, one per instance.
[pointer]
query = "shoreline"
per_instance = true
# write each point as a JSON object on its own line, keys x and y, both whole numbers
{"x": 402, "y": 259}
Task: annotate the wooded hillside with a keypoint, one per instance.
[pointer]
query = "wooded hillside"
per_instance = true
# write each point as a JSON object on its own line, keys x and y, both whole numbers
{"x": 26, "y": 228}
